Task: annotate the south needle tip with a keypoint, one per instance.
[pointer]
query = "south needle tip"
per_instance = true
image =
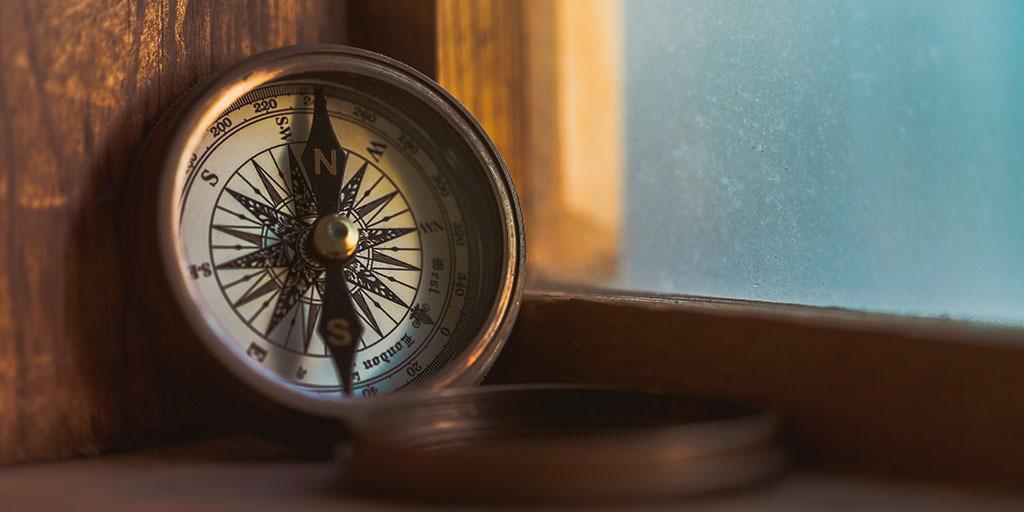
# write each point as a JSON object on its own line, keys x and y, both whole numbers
{"x": 346, "y": 385}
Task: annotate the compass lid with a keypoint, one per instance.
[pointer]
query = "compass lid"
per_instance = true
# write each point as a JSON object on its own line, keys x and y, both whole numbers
{"x": 557, "y": 442}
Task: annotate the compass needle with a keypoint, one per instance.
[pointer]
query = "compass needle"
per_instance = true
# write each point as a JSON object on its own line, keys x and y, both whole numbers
{"x": 324, "y": 161}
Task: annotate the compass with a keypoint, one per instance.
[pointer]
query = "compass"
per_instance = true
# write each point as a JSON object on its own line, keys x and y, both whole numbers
{"x": 319, "y": 225}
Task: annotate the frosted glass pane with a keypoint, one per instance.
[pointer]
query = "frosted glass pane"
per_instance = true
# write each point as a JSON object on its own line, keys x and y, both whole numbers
{"x": 858, "y": 154}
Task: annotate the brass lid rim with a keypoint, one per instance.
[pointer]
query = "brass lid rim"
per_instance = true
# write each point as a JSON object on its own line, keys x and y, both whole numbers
{"x": 560, "y": 442}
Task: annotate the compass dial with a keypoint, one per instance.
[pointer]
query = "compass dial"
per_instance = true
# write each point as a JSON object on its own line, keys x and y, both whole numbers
{"x": 250, "y": 169}
{"x": 261, "y": 256}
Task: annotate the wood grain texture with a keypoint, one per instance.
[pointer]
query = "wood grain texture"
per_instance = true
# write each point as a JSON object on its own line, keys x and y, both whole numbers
{"x": 883, "y": 395}
{"x": 500, "y": 59}
{"x": 480, "y": 62}
{"x": 402, "y": 29}
{"x": 80, "y": 85}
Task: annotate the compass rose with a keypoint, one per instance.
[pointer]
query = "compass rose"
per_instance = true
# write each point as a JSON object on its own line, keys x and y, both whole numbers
{"x": 269, "y": 269}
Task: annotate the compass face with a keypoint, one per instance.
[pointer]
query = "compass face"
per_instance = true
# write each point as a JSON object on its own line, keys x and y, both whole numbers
{"x": 428, "y": 274}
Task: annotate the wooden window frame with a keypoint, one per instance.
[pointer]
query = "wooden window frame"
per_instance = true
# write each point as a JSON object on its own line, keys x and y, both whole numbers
{"x": 868, "y": 392}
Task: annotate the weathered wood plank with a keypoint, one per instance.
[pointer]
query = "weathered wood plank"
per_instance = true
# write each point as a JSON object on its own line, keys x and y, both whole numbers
{"x": 80, "y": 85}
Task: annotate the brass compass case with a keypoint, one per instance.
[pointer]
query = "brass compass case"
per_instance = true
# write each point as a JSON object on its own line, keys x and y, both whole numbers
{"x": 463, "y": 168}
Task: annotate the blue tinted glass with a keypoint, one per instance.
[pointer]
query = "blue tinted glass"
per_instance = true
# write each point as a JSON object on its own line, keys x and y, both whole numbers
{"x": 863, "y": 154}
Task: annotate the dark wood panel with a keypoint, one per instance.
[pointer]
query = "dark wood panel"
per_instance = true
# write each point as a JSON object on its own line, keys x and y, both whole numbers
{"x": 403, "y": 29}
{"x": 884, "y": 395}
{"x": 80, "y": 85}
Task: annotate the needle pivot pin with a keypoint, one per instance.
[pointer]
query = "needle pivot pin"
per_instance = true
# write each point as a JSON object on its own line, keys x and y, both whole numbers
{"x": 335, "y": 237}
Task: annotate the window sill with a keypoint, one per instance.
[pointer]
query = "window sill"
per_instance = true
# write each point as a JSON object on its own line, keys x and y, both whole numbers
{"x": 919, "y": 398}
